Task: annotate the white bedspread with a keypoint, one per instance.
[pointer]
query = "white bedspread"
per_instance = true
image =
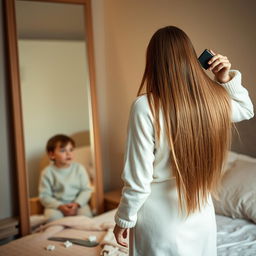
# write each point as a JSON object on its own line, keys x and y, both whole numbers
{"x": 236, "y": 237}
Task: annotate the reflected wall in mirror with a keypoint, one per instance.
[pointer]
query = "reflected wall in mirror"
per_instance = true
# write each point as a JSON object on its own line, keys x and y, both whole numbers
{"x": 53, "y": 89}
{"x": 54, "y": 78}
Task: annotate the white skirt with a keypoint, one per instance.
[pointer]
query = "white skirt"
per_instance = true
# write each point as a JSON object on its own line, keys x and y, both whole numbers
{"x": 161, "y": 231}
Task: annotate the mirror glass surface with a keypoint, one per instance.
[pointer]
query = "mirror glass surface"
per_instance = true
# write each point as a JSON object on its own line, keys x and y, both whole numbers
{"x": 55, "y": 89}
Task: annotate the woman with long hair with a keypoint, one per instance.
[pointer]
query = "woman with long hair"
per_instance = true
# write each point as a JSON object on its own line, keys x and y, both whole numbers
{"x": 179, "y": 134}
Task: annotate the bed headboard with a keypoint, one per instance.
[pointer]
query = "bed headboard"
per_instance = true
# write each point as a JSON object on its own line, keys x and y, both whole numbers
{"x": 247, "y": 142}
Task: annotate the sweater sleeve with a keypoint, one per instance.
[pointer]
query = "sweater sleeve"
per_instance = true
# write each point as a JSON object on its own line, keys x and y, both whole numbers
{"x": 138, "y": 165}
{"x": 241, "y": 105}
{"x": 45, "y": 191}
{"x": 86, "y": 191}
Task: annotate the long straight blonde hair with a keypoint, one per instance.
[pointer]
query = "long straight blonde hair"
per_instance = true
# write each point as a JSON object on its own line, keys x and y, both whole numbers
{"x": 197, "y": 115}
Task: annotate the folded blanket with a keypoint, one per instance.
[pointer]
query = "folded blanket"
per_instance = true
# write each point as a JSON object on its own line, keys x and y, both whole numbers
{"x": 80, "y": 223}
{"x": 74, "y": 222}
{"x": 111, "y": 247}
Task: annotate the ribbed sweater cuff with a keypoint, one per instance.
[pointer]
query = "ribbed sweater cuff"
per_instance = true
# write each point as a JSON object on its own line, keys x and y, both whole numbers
{"x": 57, "y": 205}
{"x": 54, "y": 204}
{"x": 80, "y": 202}
{"x": 124, "y": 223}
{"x": 234, "y": 85}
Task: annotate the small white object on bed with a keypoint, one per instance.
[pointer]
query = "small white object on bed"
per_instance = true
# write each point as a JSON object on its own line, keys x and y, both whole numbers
{"x": 92, "y": 238}
{"x": 50, "y": 247}
{"x": 68, "y": 244}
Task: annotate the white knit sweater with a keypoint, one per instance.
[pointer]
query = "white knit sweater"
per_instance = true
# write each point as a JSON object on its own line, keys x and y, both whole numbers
{"x": 59, "y": 186}
{"x": 144, "y": 164}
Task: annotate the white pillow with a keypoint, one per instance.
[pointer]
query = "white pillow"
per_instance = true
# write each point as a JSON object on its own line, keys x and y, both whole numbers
{"x": 232, "y": 157}
{"x": 238, "y": 189}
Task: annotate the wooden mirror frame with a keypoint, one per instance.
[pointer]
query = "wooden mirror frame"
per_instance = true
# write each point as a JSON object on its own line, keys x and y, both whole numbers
{"x": 15, "y": 89}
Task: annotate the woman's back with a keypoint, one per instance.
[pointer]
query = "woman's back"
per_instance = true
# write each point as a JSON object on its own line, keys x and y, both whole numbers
{"x": 161, "y": 163}
{"x": 175, "y": 150}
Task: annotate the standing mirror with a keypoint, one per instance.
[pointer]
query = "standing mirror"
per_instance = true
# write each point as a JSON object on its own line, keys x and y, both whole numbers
{"x": 53, "y": 90}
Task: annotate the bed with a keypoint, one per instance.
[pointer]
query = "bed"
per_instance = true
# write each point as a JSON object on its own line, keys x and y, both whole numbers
{"x": 235, "y": 237}
{"x": 235, "y": 217}
{"x": 75, "y": 227}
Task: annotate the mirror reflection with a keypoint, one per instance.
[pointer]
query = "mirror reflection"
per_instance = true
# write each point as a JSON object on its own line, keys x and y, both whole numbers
{"x": 54, "y": 84}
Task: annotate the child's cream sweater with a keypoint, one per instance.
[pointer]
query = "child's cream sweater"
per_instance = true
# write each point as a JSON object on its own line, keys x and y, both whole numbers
{"x": 64, "y": 185}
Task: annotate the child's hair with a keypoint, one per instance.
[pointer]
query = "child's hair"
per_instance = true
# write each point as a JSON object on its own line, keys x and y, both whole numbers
{"x": 59, "y": 138}
{"x": 196, "y": 111}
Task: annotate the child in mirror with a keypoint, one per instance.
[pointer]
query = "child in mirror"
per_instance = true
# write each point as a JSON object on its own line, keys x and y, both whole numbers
{"x": 64, "y": 187}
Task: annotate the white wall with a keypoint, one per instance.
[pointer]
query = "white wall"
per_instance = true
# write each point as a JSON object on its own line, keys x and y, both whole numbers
{"x": 54, "y": 88}
{"x": 122, "y": 30}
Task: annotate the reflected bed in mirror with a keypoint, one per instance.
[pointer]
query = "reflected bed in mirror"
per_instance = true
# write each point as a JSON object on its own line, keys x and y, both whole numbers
{"x": 52, "y": 78}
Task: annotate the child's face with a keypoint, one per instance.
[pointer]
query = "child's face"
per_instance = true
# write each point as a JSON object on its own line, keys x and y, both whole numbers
{"x": 63, "y": 156}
